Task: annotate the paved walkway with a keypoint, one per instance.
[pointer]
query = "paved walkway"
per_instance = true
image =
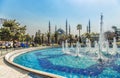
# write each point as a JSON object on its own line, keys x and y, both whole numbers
{"x": 9, "y": 71}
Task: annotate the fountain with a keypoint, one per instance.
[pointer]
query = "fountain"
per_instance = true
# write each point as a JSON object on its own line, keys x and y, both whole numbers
{"x": 114, "y": 45}
{"x": 78, "y": 47}
{"x": 96, "y": 45}
{"x": 101, "y": 48}
{"x": 107, "y": 47}
{"x": 88, "y": 45}
{"x": 66, "y": 47}
{"x": 99, "y": 61}
{"x": 71, "y": 47}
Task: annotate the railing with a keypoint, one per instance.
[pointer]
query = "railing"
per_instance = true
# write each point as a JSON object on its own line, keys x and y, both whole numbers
{"x": 4, "y": 51}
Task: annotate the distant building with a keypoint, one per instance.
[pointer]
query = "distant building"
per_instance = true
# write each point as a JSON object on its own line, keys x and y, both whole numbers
{"x": 66, "y": 27}
{"x": 60, "y": 31}
{"x": 49, "y": 27}
{"x": 61, "y": 35}
{"x": 69, "y": 29}
{"x": 89, "y": 27}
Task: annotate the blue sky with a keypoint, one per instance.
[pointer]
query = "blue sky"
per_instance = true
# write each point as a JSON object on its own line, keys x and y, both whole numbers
{"x": 37, "y": 13}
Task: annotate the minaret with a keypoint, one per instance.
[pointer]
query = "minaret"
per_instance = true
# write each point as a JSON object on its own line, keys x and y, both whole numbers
{"x": 49, "y": 33}
{"x": 49, "y": 28}
{"x": 69, "y": 30}
{"x": 89, "y": 27}
{"x": 66, "y": 28}
{"x": 101, "y": 23}
{"x": 55, "y": 28}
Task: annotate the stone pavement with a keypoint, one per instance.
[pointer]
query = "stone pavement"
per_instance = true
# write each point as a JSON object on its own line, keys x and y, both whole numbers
{"x": 9, "y": 71}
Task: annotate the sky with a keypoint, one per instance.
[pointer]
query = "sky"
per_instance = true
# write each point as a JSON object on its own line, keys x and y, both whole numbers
{"x": 36, "y": 14}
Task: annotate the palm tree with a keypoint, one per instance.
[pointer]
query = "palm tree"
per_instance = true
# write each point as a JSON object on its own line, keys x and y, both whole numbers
{"x": 79, "y": 27}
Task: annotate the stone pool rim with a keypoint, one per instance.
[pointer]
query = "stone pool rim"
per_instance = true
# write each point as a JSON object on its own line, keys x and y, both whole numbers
{"x": 10, "y": 57}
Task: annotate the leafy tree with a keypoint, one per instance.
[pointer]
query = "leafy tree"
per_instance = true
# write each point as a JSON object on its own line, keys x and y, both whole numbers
{"x": 109, "y": 35}
{"x": 28, "y": 38}
{"x": 17, "y": 36}
{"x": 5, "y": 34}
{"x": 87, "y": 35}
{"x": 22, "y": 29}
{"x": 13, "y": 30}
{"x": 114, "y": 28}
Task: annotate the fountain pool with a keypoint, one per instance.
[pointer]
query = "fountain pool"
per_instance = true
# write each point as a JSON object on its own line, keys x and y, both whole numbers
{"x": 77, "y": 62}
{"x": 54, "y": 60}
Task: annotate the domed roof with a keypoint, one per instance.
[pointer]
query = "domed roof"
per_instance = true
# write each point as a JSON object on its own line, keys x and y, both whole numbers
{"x": 60, "y": 31}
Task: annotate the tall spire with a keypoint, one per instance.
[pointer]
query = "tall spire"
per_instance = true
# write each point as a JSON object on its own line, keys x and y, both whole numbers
{"x": 49, "y": 28}
{"x": 87, "y": 29}
{"x": 89, "y": 26}
{"x": 101, "y": 22}
{"x": 55, "y": 28}
{"x": 49, "y": 40}
{"x": 69, "y": 30}
{"x": 66, "y": 28}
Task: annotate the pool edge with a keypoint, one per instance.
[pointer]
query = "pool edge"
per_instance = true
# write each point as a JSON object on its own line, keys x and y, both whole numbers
{"x": 10, "y": 57}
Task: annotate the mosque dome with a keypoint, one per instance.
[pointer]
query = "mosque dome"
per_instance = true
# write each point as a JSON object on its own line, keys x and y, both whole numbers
{"x": 60, "y": 31}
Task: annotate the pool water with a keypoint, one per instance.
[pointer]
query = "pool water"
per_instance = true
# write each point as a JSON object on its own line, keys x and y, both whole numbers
{"x": 53, "y": 60}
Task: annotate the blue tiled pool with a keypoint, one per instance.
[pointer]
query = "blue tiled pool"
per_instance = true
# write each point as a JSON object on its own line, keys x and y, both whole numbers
{"x": 53, "y": 60}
